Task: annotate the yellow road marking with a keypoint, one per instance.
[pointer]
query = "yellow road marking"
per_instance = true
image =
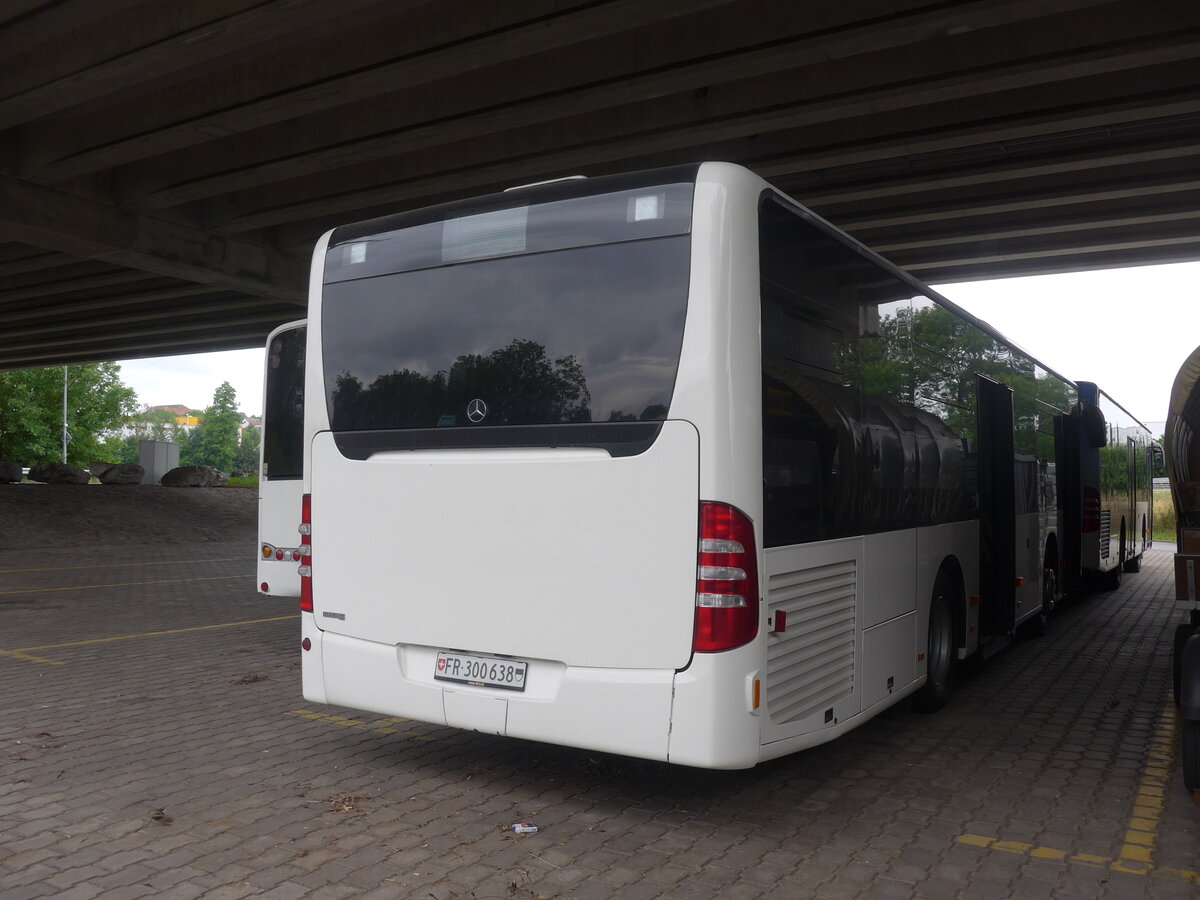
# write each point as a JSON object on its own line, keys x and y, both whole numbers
{"x": 1087, "y": 859}
{"x": 173, "y": 562}
{"x": 1141, "y": 834}
{"x": 382, "y": 726}
{"x": 89, "y": 587}
{"x": 17, "y": 654}
{"x": 24, "y": 652}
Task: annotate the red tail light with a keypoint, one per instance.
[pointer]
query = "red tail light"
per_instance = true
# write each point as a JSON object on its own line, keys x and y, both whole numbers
{"x": 306, "y": 592}
{"x": 726, "y": 580}
{"x": 1091, "y": 510}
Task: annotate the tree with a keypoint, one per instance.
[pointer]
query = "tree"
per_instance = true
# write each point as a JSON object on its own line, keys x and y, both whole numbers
{"x": 246, "y": 458}
{"x": 31, "y": 412}
{"x": 215, "y": 442}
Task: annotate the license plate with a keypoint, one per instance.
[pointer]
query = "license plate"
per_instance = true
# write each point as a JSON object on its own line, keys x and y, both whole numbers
{"x": 483, "y": 671}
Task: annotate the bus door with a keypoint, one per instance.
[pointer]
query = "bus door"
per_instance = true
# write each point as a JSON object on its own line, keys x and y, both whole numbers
{"x": 1070, "y": 503}
{"x": 997, "y": 508}
{"x": 281, "y": 469}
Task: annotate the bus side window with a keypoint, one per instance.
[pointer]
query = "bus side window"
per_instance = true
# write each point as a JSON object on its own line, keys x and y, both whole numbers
{"x": 792, "y": 490}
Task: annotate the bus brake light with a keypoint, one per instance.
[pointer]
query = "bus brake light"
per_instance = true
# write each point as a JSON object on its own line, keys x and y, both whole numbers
{"x": 726, "y": 580}
{"x": 306, "y": 591}
{"x": 1091, "y": 510}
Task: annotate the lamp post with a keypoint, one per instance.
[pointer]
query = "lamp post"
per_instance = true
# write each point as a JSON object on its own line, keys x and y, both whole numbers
{"x": 65, "y": 437}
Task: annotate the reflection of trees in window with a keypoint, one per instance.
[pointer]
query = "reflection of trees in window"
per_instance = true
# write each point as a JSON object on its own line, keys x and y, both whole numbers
{"x": 938, "y": 371}
{"x": 1114, "y": 471}
{"x": 283, "y": 442}
{"x": 655, "y": 412}
{"x": 520, "y": 384}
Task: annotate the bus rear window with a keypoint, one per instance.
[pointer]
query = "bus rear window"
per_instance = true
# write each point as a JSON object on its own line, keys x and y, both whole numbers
{"x": 586, "y": 334}
{"x": 283, "y": 406}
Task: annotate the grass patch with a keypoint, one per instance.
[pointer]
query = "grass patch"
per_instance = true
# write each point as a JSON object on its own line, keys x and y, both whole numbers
{"x": 250, "y": 481}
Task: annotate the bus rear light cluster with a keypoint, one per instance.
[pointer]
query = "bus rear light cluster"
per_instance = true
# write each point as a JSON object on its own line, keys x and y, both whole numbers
{"x": 1091, "y": 510}
{"x": 726, "y": 580}
{"x": 305, "y": 570}
{"x": 284, "y": 554}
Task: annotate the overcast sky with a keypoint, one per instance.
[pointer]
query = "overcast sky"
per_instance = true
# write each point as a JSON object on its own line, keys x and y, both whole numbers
{"x": 1128, "y": 330}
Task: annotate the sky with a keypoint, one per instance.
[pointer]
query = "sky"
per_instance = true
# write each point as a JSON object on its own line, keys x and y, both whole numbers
{"x": 1128, "y": 330}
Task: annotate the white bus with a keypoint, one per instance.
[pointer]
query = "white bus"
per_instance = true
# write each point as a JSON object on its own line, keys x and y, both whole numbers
{"x": 281, "y": 462}
{"x": 662, "y": 465}
{"x": 1116, "y": 471}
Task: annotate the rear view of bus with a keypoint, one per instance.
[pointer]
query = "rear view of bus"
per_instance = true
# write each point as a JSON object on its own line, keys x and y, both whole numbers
{"x": 658, "y": 464}
{"x": 504, "y": 478}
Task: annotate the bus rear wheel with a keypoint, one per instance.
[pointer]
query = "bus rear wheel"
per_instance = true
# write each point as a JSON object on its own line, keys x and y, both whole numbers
{"x": 942, "y": 653}
{"x": 1112, "y": 578}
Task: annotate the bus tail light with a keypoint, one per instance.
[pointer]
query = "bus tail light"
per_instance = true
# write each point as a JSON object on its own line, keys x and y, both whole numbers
{"x": 306, "y": 591}
{"x": 726, "y": 580}
{"x": 1091, "y": 510}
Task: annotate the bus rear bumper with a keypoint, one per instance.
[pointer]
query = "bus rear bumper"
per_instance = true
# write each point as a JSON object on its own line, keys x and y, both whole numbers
{"x": 610, "y": 710}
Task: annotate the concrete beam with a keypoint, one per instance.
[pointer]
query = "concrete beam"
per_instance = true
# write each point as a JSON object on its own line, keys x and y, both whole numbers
{"x": 87, "y": 228}
{"x": 598, "y": 153}
{"x": 164, "y": 188}
{"x": 569, "y": 26}
{"x": 101, "y": 335}
{"x": 131, "y": 347}
{"x": 60, "y": 310}
{"x": 135, "y": 44}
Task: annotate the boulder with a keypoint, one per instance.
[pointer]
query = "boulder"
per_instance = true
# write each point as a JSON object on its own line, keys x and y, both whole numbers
{"x": 195, "y": 476}
{"x": 10, "y": 472}
{"x": 59, "y": 473}
{"x": 117, "y": 473}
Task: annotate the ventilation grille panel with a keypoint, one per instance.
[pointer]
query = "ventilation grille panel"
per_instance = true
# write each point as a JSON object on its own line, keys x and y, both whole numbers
{"x": 810, "y": 666}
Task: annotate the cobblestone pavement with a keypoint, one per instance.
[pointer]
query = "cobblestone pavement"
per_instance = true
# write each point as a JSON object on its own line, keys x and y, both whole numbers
{"x": 153, "y": 743}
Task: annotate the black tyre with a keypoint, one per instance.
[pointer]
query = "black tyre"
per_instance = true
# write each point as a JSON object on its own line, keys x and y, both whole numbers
{"x": 1112, "y": 578}
{"x": 1182, "y": 633}
{"x": 942, "y": 653}
{"x": 1191, "y": 754}
{"x": 1133, "y": 565}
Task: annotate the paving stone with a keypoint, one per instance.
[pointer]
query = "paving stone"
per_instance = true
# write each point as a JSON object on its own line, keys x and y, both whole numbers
{"x": 1031, "y": 750}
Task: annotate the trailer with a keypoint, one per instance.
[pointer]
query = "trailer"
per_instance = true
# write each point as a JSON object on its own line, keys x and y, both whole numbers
{"x": 1182, "y": 450}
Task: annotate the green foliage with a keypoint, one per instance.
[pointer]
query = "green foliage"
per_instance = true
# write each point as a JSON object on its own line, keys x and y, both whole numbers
{"x": 1164, "y": 516}
{"x": 31, "y": 413}
{"x": 246, "y": 458}
{"x": 525, "y": 385}
{"x": 215, "y": 442}
{"x": 249, "y": 481}
{"x": 929, "y": 357}
{"x": 122, "y": 450}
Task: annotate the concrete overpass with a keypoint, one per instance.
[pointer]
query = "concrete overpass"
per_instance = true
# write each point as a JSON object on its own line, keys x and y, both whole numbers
{"x": 165, "y": 165}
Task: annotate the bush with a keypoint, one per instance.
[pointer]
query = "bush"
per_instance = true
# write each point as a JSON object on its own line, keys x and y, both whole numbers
{"x": 249, "y": 481}
{"x": 1164, "y": 516}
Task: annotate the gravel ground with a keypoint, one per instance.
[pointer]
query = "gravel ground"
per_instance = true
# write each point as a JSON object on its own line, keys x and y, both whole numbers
{"x": 35, "y": 516}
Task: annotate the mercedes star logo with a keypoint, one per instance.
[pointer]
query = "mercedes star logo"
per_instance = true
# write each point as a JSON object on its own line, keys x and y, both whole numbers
{"x": 476, "y": 410}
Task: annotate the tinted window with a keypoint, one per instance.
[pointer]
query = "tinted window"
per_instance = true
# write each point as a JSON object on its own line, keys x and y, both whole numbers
{"x": 851, "y": 444}
{"x": 283, "y": 406}
{"x": 510, "y": 225}
{"x": 588, "y": 334}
